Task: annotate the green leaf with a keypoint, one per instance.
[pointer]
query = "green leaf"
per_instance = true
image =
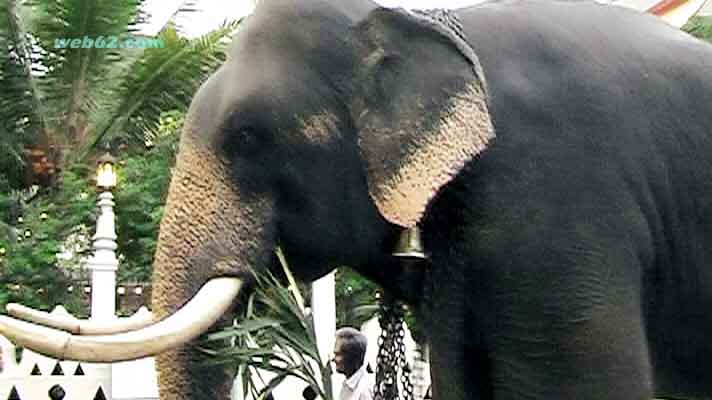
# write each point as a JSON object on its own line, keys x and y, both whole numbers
{"x": 74, "y": 80}
{"x": 160, "y": 79}
{"x": 246, "y": 327}
{"x": 22, "y": 114}
{"x": 700, "y": 26}
{"x": 285, "y": 340}
{"x": 273, "y": 383}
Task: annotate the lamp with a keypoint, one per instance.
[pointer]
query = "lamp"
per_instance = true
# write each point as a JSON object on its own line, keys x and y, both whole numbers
{"x": 105, "y": 172}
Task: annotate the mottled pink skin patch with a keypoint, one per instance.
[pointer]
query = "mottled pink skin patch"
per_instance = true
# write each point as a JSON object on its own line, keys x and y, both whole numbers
{"x": 321, "y": 128}
{"x": 464, "y": 130}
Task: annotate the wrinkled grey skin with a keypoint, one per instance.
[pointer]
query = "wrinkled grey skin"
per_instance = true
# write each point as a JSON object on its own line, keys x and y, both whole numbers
{"x": 570, "y": 259}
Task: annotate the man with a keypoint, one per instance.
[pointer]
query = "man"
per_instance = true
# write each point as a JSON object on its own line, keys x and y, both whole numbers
{"x": 349, "y": 353}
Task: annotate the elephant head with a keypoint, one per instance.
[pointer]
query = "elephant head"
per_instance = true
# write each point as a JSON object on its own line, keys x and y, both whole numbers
{"x": 329, "y": 129}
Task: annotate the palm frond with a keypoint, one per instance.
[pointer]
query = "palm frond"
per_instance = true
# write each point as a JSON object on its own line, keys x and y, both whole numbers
{"x": 186, "y": 7}
{"x": 71, "y": 77}
{"x": 22, "y": 116}
{"x": 700, "y": 26}
{"x": 283, "y": 342}
{"x": 162, "y": 78}
{"x": 11, "y": 161}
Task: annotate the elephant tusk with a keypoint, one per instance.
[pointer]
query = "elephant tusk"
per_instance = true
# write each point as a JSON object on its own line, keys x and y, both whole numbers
{"x": 78, "y": 326}
{"x": 212, "y": 301}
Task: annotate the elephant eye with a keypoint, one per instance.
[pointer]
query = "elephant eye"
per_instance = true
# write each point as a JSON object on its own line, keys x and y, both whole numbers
{"x": 243, "y": 141}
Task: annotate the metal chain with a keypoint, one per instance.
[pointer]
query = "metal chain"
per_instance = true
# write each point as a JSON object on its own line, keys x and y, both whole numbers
{"x": 391, "y": 353}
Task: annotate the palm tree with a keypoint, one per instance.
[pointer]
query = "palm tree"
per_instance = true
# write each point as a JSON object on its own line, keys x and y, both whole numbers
{"x": 59, "y": 104}
{"x": 15, "y": 94}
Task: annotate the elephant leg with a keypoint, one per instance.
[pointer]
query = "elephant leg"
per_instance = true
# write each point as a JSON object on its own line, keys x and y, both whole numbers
{"x": 570, "y": 333}
{"x": 459, "y": 372}
{"x": 447, "y": 371}
{"x": 595, "y": 361}
{"x": 458, "y": 365}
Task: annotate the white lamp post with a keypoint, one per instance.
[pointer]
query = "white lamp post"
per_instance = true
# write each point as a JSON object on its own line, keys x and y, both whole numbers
{"x": 103, "y": 264}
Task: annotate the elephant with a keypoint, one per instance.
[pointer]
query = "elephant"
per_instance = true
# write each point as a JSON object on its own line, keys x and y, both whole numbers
{"x": 556, "y": 157}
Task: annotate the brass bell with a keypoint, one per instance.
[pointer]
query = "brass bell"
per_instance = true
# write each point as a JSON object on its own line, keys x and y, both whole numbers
{"x": 409, "y": 245}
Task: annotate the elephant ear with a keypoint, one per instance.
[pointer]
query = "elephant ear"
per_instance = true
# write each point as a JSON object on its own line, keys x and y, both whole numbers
{"x": 420, "y": 109}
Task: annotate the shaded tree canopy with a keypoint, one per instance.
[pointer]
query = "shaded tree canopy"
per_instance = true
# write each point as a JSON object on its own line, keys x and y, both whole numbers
{"x": 60, "y": 107}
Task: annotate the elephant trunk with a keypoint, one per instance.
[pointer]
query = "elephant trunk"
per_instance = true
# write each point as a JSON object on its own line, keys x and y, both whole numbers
{"x": 209, "y": 230}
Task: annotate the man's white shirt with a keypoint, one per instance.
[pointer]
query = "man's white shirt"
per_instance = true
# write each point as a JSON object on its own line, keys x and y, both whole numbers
{"x": 359, "y": 386}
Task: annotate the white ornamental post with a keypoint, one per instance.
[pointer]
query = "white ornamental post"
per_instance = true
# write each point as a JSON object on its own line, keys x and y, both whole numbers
{"x": 323, "y": 307}
{"x": 103, "y": 263}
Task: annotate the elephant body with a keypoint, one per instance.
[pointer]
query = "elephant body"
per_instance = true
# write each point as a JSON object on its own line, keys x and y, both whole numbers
{"x": 585, "y": 255}
{"x": 556, "y": 156}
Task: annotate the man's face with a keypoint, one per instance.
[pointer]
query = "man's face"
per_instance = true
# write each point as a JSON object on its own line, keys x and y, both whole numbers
{"x": 340, "y": 357}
